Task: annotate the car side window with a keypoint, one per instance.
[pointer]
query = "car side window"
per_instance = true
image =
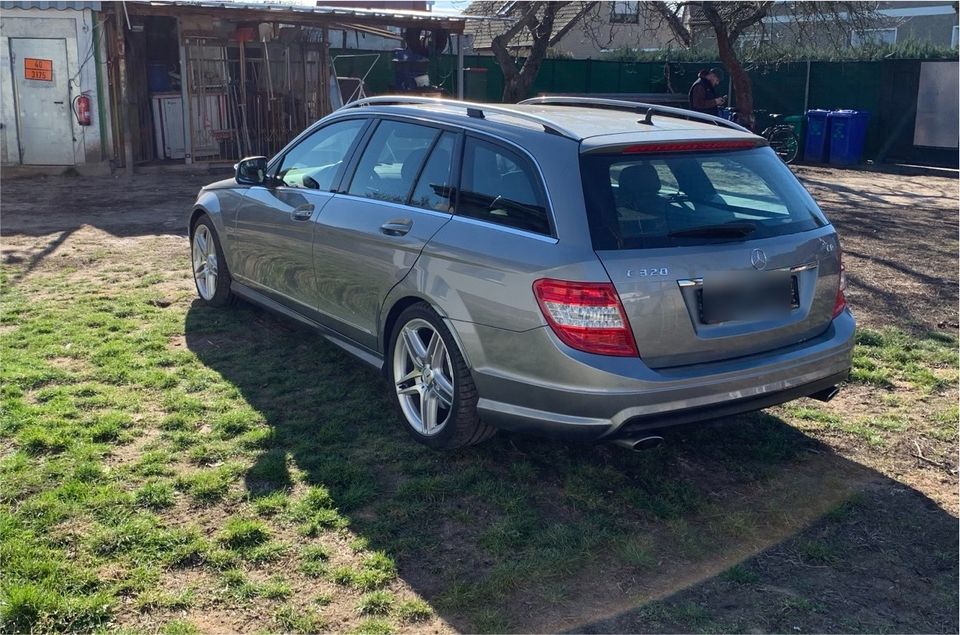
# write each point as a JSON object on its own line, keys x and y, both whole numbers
{"x": 435, "y": 187}
{"x": 313, "y": 163}
{"x": 391, "y": 161}
{"x": 500, "y": 186}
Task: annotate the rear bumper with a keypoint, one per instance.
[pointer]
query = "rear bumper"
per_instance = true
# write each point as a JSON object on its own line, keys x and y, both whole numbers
{"x": 529, "y": 382}
{"x": 644, "y": 423}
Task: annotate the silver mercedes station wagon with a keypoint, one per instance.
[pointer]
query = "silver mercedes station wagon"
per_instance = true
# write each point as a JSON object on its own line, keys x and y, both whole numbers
{"x": 574, "y": 267}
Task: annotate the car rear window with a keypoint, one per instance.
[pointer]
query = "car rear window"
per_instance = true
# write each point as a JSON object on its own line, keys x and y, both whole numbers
{"x": 687, "y": 198}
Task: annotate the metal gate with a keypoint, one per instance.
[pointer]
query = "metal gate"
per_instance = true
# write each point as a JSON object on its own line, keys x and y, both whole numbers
{"x": 209, "y": 110}
{"x": 252, "y": 98}
{"x": 283, "y": 92}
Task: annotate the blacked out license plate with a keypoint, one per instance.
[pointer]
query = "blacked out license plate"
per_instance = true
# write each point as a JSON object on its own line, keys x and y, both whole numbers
{"x": 768, "y": 294}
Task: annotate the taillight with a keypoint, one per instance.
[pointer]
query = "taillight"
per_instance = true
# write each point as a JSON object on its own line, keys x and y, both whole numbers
{"x": 586, "y": 316}
{"x": 841, "y": 302}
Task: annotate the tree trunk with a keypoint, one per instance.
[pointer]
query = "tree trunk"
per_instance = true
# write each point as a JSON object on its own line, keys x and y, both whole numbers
{"x": 741, "y": 80}
{"x": 510, "y": 73}
{"x": 517, "y": 83}
{"x": 515, "y": 89}
{"x": 518, "y": 87}
{"x": 505, "y": 59}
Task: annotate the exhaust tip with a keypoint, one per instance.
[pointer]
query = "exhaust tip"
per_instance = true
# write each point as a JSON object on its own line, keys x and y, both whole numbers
{"x": 641, "y": 444}
{"x": 648, "y": 443}
{"x": 826, "y": 394}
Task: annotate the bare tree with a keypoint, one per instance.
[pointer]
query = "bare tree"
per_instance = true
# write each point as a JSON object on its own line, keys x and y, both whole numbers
{"x": 538, "y": 19}
{"x": 729, "y": 20}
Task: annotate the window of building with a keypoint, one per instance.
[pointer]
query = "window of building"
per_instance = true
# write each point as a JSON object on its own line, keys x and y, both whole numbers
{"x": 874, "y": 36}
{"x": 625, "y": 12}
{"x": 499, "y": 186}
{"x": 955, "y": 37}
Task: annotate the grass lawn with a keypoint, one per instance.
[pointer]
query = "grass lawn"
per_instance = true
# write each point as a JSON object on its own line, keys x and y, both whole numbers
{"x": 167, "y": 467}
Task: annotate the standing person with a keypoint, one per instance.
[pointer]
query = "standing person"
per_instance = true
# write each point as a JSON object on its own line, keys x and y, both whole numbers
{"x": 703, "y": 94}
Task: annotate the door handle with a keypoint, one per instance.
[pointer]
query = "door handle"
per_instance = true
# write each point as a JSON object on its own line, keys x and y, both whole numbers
{"x": 396, "y": 227}
{"x": 304, "y": 212}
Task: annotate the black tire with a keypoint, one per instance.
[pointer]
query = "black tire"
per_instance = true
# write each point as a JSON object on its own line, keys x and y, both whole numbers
{"x": 222, "y": 295}
{"x": 462, "y": 426}
{"x": 785, "y": 143}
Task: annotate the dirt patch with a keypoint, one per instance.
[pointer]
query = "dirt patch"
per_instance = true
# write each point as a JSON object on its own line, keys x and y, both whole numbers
{"x": 124, "y": 454}
{"x": 69, "y": 364}
{"x": 899, "y": 239}
{"x": 608, "y": 588}
{"x": 913, "y": 456}
{"x": 860, "y": 569}
{"x": 123, "y": 206}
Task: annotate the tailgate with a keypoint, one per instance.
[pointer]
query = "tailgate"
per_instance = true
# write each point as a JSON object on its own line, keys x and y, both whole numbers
{"x": 662, "y": 293}
{"x": 716, "y": 250}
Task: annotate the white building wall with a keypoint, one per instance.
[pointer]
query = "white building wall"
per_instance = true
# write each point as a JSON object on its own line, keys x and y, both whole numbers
{"x": 76, "y": 27}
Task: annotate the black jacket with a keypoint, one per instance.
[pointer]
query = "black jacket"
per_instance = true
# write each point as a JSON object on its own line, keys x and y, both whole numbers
{"x": 701, "y": 97}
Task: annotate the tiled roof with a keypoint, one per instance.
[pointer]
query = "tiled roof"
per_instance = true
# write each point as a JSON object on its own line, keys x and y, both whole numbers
{"x": 501, "y": 15}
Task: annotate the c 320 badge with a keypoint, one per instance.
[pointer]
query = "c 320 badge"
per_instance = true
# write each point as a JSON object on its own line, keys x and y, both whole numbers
{"x": 647, "y": 273}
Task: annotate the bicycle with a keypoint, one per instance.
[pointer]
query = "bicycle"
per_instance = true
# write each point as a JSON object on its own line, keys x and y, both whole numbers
{"x": 781, "y": 136}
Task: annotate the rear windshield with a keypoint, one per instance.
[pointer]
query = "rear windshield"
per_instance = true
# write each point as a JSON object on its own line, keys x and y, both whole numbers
{"x": 659, "y": 200}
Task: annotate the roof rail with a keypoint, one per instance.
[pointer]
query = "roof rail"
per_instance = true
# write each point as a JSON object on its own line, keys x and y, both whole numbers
{"x": 475, "y": 110}
{"x": 635, "y": 106}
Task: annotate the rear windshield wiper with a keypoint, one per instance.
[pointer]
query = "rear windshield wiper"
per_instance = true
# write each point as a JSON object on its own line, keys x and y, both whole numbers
{"x": 724, "y": 230}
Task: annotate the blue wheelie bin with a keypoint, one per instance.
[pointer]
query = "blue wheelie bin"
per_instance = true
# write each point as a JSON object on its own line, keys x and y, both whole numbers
{"x": 848, "y": 131}
{"x": 817, "y": 142}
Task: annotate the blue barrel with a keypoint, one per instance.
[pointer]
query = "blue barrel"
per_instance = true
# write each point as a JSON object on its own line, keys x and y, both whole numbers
{"x": 848, "y": 132}
{"x": 158, "y": 80}
{"x": 817, "y": 145}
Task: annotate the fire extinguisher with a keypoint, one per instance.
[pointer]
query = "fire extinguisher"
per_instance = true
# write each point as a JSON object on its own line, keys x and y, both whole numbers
{"x": 81, "y": 108}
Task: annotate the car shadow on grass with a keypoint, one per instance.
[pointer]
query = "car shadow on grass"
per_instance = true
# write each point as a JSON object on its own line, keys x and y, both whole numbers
{"x": 737, "y": 525}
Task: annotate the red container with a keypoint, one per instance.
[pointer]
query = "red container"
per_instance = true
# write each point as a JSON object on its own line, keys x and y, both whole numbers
{"x": 245, "y": 34}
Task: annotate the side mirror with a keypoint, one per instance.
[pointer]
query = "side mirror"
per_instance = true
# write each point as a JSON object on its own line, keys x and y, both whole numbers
{"x": 251, "y": 171}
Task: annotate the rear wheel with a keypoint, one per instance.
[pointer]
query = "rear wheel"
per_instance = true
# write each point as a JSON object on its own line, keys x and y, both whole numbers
{"x": 785, "y": 143}
{"x": 210, "y": 273}
{"x": 432, "y": 384}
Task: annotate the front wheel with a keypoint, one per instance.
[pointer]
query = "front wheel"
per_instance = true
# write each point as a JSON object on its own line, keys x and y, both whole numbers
{"x": 432, "y": 384}
{"x": 210, "y": 273}
{"x": 785, "y": 143}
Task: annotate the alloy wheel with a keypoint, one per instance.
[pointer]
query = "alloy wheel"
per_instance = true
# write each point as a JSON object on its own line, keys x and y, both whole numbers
{"x": 423, "y": 376}
{"x": 205, "y": 262}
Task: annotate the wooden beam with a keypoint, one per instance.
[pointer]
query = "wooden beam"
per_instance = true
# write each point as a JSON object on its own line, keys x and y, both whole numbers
{"x": 326, "y": 105}
{"x": 124, "y": 98}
